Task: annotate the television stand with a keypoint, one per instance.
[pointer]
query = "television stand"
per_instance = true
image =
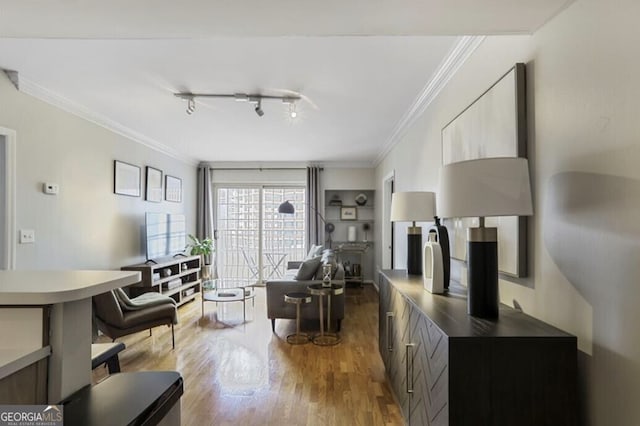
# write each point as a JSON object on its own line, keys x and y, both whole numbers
{"x": 177, "y": 278}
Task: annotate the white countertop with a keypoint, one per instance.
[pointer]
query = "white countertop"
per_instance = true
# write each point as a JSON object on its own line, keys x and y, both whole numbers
{"x": 49, "y": 287}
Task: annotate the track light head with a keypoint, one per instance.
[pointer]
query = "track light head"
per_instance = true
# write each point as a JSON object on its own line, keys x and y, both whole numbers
{"x": 191, "y": 105}
{"x": 292, "y": 106}
{"x": 258, "y": 108}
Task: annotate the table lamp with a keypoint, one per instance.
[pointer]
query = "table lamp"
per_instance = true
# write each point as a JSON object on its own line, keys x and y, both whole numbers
{"x": 413, "y": 206}
{"x": 481, "y": 188}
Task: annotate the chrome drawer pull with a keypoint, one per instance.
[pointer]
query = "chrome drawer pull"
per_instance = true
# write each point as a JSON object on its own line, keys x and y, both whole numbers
{"x": 408, "y": 347}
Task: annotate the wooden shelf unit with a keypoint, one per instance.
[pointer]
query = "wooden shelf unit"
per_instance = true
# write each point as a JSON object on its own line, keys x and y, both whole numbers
{"x": 187, "y": 269}
{"x": 364, "y": 214}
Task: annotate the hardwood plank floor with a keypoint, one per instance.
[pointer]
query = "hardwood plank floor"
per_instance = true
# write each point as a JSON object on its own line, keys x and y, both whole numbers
{"x": 243, "y": 374}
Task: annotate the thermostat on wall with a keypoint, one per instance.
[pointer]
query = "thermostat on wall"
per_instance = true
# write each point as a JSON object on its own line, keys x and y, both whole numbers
{"x": 50, "y": 188}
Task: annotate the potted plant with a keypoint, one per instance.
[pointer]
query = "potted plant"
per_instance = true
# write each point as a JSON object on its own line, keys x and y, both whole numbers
{"x": 204, "y": 248}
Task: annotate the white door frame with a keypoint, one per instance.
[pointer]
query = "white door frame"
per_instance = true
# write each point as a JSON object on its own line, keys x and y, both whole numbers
{"x": 387, "y": 237}
{"x": 9, "y": 225}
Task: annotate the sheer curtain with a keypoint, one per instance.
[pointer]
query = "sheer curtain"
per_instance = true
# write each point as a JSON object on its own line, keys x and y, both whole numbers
{"x": 314, "y": 223}
{"x": 204, "y": 213}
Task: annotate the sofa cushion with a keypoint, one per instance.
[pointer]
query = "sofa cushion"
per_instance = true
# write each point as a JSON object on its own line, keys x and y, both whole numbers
{"x": 314, "y": 251}
{"x": 308, "y": 268}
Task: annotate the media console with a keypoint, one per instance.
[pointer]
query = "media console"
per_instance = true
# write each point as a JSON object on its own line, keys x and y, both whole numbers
{"x": 177, "y": 277}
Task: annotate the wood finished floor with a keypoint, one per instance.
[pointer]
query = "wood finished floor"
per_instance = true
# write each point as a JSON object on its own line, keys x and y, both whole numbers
{"x": 243, "y": 374}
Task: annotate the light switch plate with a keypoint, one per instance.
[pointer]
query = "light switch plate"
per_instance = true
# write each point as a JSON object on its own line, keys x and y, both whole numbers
{"x": 50, "y": 188}
{"x": 27, "y": 236}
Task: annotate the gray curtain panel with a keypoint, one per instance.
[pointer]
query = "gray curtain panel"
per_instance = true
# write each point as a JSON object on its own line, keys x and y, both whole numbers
{"x": 204, "y": 214}
{"x": 314, "y": 223}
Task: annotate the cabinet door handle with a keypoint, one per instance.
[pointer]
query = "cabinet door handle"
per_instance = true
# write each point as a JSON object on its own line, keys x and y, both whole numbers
{"x": 389, "y": 324}
{"x": 408, "y": 347}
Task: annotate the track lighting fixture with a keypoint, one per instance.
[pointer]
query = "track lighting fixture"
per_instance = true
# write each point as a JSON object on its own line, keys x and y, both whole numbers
{"x": 191, "y": 105}
{"x": 258, "y": 108}
{"x": 241, "y": 97}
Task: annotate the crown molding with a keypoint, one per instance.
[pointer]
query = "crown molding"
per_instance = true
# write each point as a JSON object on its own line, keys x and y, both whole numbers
{"x": 30, "y": 88}
{"x": 456, "y": 57}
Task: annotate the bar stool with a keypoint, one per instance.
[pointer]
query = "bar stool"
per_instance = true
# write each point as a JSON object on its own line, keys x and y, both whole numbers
{"x": 325, "y": 339}
{"x": 297, "y": 299}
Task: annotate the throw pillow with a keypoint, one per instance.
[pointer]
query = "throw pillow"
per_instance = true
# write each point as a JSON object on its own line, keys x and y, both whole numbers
{"x": 308, "y": 269}
{"x": 313, "y": 252}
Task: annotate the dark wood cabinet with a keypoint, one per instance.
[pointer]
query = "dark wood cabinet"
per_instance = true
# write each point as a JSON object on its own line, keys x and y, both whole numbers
{"x": 448, "y": 368}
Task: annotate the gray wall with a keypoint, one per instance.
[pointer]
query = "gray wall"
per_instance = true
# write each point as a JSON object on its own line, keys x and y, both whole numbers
{"x": 86, "y": 226}
{"x": 583, "y": 91}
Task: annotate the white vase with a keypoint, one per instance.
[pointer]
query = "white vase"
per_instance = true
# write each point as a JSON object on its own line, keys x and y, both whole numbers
{"x": 433, "y": 268}
{"x": 351, "y": 234}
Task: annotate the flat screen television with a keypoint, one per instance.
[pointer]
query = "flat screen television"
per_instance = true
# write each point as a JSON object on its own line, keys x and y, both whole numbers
{"x": 166, "y": 234}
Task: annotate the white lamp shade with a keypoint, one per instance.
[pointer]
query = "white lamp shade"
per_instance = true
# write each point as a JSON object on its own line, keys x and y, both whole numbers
{"x": 413, "y": 206}
{"x": 485, "y": 187}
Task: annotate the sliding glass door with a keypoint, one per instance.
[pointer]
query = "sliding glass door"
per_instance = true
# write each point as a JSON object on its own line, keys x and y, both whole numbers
{"x": 255, "y": 242}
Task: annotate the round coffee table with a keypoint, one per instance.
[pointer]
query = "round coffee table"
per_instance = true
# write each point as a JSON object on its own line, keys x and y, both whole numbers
{"x": 328, "y": 338}
{"x": 221, "y": 291}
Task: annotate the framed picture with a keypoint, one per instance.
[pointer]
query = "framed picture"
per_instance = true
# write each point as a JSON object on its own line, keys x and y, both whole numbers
{"x": 154, "y": 185}
{"x": 126, "y": 179}
{"x": 494, "y": 125}
{"x": 173, "y": 189}
{"x": 348, "y": 213}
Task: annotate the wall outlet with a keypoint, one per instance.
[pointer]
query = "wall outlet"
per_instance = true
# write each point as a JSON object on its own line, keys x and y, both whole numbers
{"x": 50, "y": 188}
{"x": 27, "y": 236}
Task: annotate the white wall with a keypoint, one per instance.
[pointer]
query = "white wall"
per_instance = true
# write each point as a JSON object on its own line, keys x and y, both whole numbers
{"x": 584, "y": 149}
{"x": 348, "y": 178}
{"x": 86, "y": 226}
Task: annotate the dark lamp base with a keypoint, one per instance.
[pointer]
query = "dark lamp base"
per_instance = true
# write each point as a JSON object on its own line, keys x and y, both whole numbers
{"x": 482, "y": 276}
{"x": 414, "y": 254}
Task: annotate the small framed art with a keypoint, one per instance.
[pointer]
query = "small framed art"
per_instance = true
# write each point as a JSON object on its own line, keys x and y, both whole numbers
{"x": 348, "y": 213}
{"x": 173, "y": 189}
{"x": 154, "y": 185}
{"x": 126, "y": 179}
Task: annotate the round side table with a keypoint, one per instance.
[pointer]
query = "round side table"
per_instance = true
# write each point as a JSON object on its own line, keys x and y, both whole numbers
{"x": 328, "y": 338}
{"x": 297, "y": 299}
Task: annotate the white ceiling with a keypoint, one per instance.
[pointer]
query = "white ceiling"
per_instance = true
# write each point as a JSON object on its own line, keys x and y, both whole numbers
{"x": 359, "y": 65}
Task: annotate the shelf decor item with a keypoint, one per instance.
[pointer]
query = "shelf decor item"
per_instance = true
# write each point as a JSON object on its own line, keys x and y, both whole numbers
{"x": 352, "y": 234}
{"x": 365, "y": 227}
{"x": 348, "y": 213}
{"x": 361, "y": 199}
{"x": 483, "y": 188}
{"x": 126, "y": 179}
{"x": 154, "y": 185}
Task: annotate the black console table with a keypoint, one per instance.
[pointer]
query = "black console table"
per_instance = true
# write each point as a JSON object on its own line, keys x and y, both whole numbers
{"x": 448, "y": 368}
